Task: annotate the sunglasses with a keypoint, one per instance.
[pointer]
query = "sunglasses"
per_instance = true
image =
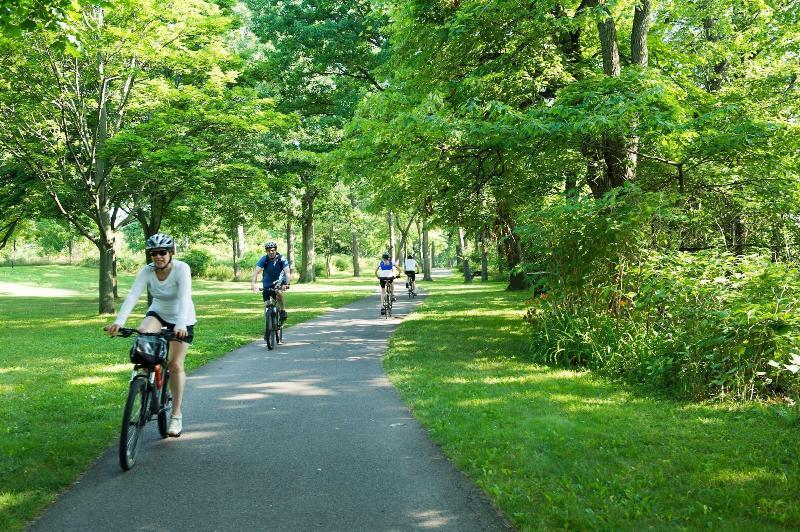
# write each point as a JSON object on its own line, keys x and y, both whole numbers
{"x": 159, "y": 252}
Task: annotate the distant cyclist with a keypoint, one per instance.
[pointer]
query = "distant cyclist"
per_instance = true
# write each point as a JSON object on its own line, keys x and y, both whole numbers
{"x": 386, "y": 272}
{"x": 411, "y": 272}
{"x": 274, "y": 268}
{"x": 170, "y": 284}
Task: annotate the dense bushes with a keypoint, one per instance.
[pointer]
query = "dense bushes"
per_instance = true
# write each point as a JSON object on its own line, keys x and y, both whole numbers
{"x": 697, "y": 324}
{"x": 198, "y": 260}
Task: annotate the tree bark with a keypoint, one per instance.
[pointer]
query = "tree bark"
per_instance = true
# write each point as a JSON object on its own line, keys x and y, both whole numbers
{"x": 461, "y": 251}
{"x": 290, "y": 243}
{"x": 106, "y": 249}
{"x": 307, "y": 268}
{"x": 484, "y": 256}
{"x": 390, "y": 221}
{"x": 511, "y": 247}
{"x": 426, "y": 251}
{"x": 354, "y": 250}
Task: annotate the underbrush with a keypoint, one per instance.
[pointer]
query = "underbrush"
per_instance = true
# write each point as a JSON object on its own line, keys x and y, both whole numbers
{"x": 695, "y": 325}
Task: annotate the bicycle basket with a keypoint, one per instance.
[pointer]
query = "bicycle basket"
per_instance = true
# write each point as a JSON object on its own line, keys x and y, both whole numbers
{"x": 149, "y": 350}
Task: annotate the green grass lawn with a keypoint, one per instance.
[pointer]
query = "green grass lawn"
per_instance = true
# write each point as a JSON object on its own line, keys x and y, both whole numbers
{"x": 563, "y": 449}
{"x": 63, "y": 381}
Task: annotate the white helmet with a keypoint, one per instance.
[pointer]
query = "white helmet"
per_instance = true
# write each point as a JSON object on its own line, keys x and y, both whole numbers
{"x": 160, "y": 241}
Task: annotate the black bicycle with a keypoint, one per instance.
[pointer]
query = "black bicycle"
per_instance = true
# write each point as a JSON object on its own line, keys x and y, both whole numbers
{"x": 411, "y": 285}
{"x": 273, "y": 325}
{"x": 387, "y": 305}
{"x": 149, "y": 395}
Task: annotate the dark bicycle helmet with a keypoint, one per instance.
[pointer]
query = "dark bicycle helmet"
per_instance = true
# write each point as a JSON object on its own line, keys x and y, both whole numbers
{"x": 411, "y": 256}
{"x": 386, "y": 256}
{"x": 160, "y": 241}
{"x": 270, "y": 245}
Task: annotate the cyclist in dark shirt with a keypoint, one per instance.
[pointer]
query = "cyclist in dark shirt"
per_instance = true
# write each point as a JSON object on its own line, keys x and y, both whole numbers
{"x": 273, "y": 267}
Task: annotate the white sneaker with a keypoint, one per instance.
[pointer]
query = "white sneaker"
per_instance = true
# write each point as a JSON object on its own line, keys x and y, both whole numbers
{"x": 175, "y": 426}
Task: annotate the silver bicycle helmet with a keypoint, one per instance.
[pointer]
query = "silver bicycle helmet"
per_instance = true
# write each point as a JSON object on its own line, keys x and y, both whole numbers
{"x": 270, "y": 245}
{"x": 160, "y": 241}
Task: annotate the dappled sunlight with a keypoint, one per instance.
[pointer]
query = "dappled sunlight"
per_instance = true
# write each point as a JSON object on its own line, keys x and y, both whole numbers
{"x": 8, "y": 499}
{"x": 481, "y": 401}
{"x": 431, "y": 519}
{"x": 11, "y": 369}
{"x": 89, "y": 380}
{"x": 738, "y": 476}
{"x": 307, "y": 387}
{"x": 110, "y": 368}
{"x": 189, "y": 434}
{"x": 23, "y": 290}
{"x": 245, "y": 397}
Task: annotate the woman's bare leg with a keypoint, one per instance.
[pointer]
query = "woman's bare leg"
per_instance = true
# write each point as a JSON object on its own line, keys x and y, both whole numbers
{"x": 177, "y": 377}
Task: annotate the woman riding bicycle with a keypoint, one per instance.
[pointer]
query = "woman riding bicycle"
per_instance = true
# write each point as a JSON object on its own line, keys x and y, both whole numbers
{"x": 170, "y": 283}
{"x": 386, "y": 272}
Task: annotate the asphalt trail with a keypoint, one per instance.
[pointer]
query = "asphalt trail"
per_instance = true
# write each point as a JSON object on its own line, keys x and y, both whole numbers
{"x": 310, "y": 436}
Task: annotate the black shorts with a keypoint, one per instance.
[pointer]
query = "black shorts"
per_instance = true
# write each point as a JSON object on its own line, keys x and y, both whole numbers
{"x": 171, "y": 327}
{"x": 411, "y": 274}
{"x": 265, "y": 292}
{"x": 386, "y": 280}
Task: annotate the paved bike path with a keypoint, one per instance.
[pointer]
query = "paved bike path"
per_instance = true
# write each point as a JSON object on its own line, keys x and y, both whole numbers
{"x": 309, "y": 436}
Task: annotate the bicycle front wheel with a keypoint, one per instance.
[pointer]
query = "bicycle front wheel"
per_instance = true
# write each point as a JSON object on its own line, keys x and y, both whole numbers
{"x": 276, "y": 328}
{"x": 133, "y": 420}
{"x": 166, "y": 404}
{"x": 269, "y": 327}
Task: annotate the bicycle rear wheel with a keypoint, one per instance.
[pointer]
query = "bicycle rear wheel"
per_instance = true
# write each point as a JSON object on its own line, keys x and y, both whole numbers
{"x": 133, "y": 420}
{"x": 166, "y": 404}
{"x": 268, "y": 327}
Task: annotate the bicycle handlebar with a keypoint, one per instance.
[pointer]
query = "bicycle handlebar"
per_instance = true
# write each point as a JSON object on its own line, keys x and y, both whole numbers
{"x": 125, "y": 332}
{"x": 274, "y": 286}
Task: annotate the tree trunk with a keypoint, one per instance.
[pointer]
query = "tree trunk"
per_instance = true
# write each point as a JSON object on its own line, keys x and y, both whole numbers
{"x": 354, "y": 237}
{"x": 511, "y": 248}
{"x": 484, "y": 257}
{"x": 461, "y": 251}
{"x": 426, "y": 251}
{"x": 236, "y": 253}
{"x": 739, "y": 236}
{"x": 308, "y": 255}
{"x": 290, "y": 242}
{"x": 390, "y": 221}
{"x": 106, "y": 248}
{"x": 433, "y": 255}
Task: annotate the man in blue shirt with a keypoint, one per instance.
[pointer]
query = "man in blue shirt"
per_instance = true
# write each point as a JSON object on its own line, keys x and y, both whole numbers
{"x": 274, "y": 268}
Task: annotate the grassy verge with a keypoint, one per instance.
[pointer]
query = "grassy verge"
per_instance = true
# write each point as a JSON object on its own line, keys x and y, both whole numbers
{"x": 62, "y": 381}
{"x": 562, "y": 449}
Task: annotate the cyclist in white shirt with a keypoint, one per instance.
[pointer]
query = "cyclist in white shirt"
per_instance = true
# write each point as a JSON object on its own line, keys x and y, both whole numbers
{"x": 170, "y": 284}
{"x": 411, "y": 271}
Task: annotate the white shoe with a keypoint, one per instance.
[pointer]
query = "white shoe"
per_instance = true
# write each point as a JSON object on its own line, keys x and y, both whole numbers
{"x": 175, "y": 426}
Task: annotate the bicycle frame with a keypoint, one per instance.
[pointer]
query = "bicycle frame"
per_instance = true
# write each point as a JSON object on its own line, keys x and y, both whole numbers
{"x": 148, "y": 396}
{"x": 273, "y": 327}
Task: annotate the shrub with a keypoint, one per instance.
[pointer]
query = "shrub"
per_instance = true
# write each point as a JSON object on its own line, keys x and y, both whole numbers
{"x": 343, "y": 263}
{"x": 319, "y": 269}
{"x": 198, "y": 260}
{"x": 699, "y": 325}
{"x": 128, "y": 264}
{"x": 219, "y": 272}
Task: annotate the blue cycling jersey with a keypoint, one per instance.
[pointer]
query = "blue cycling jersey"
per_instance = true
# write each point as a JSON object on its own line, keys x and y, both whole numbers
{"x": 273, "y": 269}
